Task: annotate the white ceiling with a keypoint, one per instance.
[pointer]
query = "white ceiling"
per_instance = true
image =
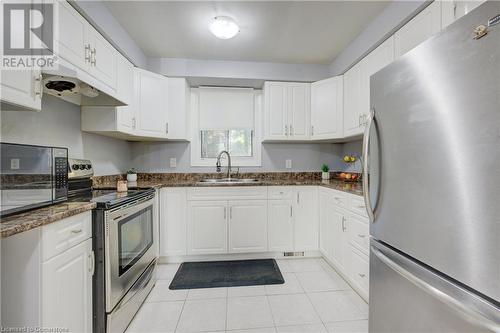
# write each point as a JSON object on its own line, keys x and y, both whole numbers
{"x": 306, "y": 32}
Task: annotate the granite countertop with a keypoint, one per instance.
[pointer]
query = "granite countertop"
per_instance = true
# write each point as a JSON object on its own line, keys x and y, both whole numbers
{"x": 349, "y": 187}
{"x": 25, "y": 221}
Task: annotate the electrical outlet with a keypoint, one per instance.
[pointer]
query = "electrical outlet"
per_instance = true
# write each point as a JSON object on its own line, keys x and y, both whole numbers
{"x": 173, "y": 162}
{"x": 288, "y": 164}
{"x": 14, "y": 164}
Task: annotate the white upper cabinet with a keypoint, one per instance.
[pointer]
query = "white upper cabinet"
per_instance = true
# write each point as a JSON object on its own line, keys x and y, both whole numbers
{"x": 125, "y": 91}
{"x": 102, "y": 64}
{"x": 299, "y": 111}
{"x": 327, "y": 109}
{"x": 276, "y": 105}
{"x": 83, "y": 46}
{"x": 452, "y": 10}
{"x": 21, "y": 90}
{"x": 375, "y": 61}
{"x": 357, "y": 87}
{"x": 72, "y": 37}
{"x": 421, "y": 27}
{"x": 352, "y": 102}
{"x": 179, "y": 105}
{"x": 151, "y": 104}
{"x": 287, "y": 111}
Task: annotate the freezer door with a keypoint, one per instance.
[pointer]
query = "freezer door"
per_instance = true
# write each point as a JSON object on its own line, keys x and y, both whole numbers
{"x": 435, "y": 153}
{"x": 407, "y": 297}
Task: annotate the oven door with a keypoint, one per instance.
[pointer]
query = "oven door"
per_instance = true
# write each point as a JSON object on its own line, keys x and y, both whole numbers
{"x": 129, "y": 247}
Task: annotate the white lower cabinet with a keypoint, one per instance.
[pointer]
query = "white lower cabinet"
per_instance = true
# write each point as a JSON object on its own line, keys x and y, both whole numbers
{"x": 207, "y": 227}
{"x": 280, "y": 227}
{"x": 306, "y": 218}
{"x": 47, "y": 276}
{"x": 173, "y": 228}
{"x": 247, "y": 226}
{"x": 67, "y": 289}
{"x": 344, "y": 237}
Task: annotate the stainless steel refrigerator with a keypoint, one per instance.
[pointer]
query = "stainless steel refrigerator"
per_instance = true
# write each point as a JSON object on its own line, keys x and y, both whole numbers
{"x": 432, "y": 183}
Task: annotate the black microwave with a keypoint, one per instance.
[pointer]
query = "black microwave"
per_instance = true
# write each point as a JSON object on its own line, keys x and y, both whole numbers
{"x": 31, "y": 177}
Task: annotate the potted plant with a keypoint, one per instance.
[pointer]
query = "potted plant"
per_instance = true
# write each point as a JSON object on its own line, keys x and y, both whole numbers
{"x": 132, "y": 175}
{"x": 325, "y": 174}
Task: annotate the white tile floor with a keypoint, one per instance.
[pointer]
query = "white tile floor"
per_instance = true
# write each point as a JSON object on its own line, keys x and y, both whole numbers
{"x": 313, "y": 299}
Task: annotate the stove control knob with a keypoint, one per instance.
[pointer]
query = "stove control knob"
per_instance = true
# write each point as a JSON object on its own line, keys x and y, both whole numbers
{"x": 82, "y": 166}
{"x": 75, "y": 167}
{"x": 89, "y": 166}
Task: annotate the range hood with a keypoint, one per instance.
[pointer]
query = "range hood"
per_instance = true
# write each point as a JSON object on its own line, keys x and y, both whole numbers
{"x": 78, "y": 87}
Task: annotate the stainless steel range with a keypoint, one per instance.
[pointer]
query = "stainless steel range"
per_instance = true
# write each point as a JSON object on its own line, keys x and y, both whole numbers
{"x": 124, "y": 233}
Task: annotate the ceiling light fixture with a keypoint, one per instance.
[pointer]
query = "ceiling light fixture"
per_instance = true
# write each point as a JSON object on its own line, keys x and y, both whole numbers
{"x": 224, "y": 27}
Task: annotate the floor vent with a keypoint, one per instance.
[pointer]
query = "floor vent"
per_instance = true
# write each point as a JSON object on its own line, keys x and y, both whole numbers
{"x": 293, "y": 254}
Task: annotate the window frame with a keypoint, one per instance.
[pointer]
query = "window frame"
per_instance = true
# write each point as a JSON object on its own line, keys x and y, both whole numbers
{"x": 253, "y": 161}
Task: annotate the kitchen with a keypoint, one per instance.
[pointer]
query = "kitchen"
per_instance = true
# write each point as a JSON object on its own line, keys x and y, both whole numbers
{"x": 239, "y": 177}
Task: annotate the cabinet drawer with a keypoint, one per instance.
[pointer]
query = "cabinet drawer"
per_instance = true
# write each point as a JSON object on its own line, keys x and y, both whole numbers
{"x": 359, "y": 269}
{"x": 227, "y": 193}
{"x": 280, "y": 193}
{"x": 339, "y": 199}
{"x": 357, "y": 205}
{"x": 359, "y": 233}
{"x": 59, "y": 236}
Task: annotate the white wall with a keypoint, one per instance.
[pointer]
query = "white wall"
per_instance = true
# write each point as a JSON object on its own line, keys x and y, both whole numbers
{"x": 155, "y": 157}
{"x": 352, "y": 148}
{"x": 58, "y": 124}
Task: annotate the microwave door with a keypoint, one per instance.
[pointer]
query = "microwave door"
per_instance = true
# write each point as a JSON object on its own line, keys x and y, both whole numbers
{"x": 26, "y": 177}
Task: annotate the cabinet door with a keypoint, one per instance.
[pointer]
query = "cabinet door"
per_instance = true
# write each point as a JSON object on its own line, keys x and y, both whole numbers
{"x": 327, "y": 109}
{"x": 178, "y": 108}
{"x": 339, "y": 235}
{"x": 375, "y": 61}
{"x": 102, "y": 58}
{"x": 72, "y": 40}
{"x": 125, "y": 91}
{"x": 299, "y": 110}
{"x": 151, "y": 110}
{"x": 325, "y": 230}
{"x": 67, "y": 289}
{"x": 247, "y": 226}
{"x": 173, "y": 229}
{"x": 453, "y": 10}
{"x": 352, "y": 103}
{"x": 275, "y": 98}
{"x": 421, "y": 27}
{"x": 21, "y": 89}
{"x": 306, "y": 219}
{"x": 280, "y": 225}
{"x": 207, "y": 227}
{"x": 358, "y": 271}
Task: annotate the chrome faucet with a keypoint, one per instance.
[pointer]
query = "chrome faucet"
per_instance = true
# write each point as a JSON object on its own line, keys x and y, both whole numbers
{"x": 218, "y": 165}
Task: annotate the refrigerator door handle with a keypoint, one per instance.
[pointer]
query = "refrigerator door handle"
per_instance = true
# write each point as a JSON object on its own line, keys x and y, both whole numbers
{"x": 474, "y": 316}
{"x": 366, "y": 144}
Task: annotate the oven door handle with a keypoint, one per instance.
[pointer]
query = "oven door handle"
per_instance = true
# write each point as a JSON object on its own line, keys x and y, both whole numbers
{"x": 139, "y": 285}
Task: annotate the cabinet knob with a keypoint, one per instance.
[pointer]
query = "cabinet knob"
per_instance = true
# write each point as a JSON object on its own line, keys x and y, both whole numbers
{"x": 361, "y": 275}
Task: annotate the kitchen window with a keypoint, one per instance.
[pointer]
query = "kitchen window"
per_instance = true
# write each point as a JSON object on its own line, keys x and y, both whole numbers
{"x": 238, "y": 142}
{"x": 226, "y": 119}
